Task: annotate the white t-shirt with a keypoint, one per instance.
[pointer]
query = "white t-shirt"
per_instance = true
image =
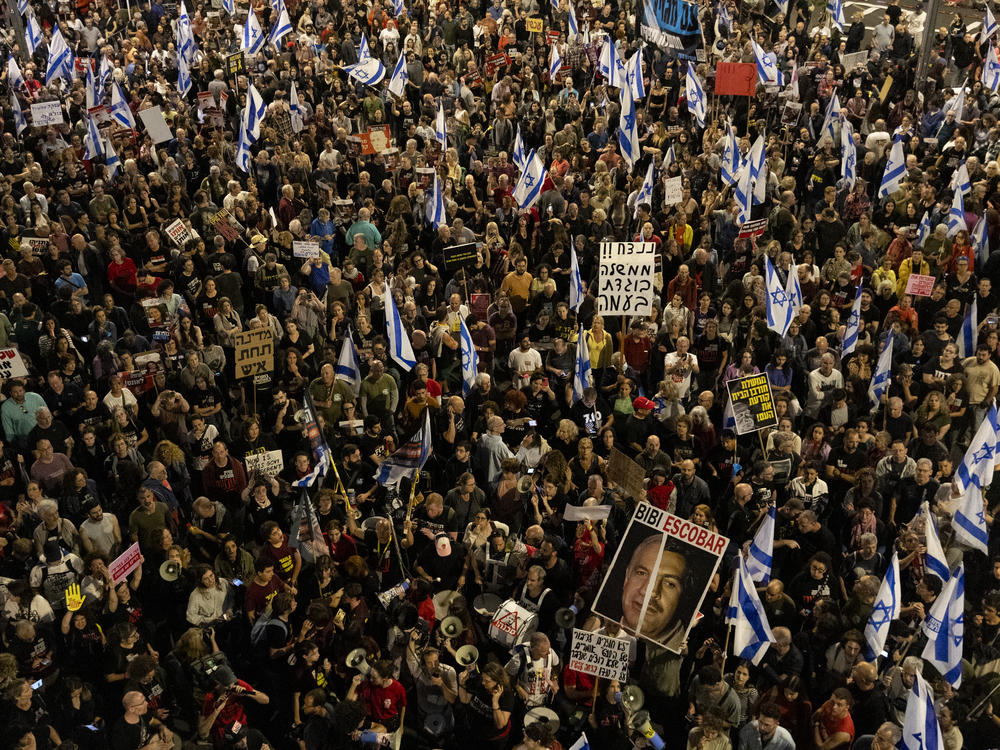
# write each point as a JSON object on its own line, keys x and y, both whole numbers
{"x": 681, "y": 378}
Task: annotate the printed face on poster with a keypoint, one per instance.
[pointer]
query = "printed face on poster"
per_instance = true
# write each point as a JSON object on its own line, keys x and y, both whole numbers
{"x": 753, "y": 403}
{"x": 659, "y": 576}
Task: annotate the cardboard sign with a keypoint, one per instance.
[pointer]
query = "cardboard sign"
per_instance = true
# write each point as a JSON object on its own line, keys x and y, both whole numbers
{"x": 735, "y": 79}
{"x": 752, "y": 229}
{"x": 552, "y": 36}
{"x": 853, "y": 59}
{"x": 753, "y": 404}
{"x": 305, "y": 249}
{"x": 236, "y": 64}
{"x": 460, "y": 256}
{"x": 660, "y": 550}
{"x": 919, "y": 285}
{"x": 125, "y": 563}
{"x": 156, "y": 126}
{"x": 673, "y": 191}
{"x": 46, "y": 113}
{"x": 600, "y": 655}
{"x": 267, "y": 464}
{"x": 254, "y": 352}
{"x": 534, "y": 25}
{"x": 11, "y": 364}
{"x": 178, "y": 233}
{"x": 626, "y": 474}
{"x": 626, "y": 278}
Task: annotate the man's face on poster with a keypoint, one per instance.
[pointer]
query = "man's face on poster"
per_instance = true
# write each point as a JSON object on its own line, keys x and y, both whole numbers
{"x": 666, "y": 593}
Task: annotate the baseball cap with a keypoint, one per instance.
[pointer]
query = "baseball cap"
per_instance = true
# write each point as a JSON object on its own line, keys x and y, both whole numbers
{"x": 443, "y": 545}
{"x": 641, "y": 402}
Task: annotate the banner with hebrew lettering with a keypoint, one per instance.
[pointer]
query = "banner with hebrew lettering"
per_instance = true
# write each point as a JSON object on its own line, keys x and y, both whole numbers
{"x": 672, "y": 24}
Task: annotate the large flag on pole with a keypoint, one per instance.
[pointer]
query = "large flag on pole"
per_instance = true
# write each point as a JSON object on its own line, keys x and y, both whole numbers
{"x": 529, "y": 186}
{"x": 934, "y": 560}
{"x": 695, "y": 93}
{"x": 883, "y": 374}
{"x": 976, "y": 468}
{"x": 347, "y": 368}
{"x": 409, "y": 458}
{"x": 887, "y": 606}
{"x": 470, "y": 358}
{"x": 921, "y": 730}
{"x": 853, "y": 327}
{"x": 577, "y": 292}
{"x": 628, "y": 132}
{"x": 944, "y": 627}
{"x": 778, "y": 307}
{"x": 645, "y": 194}
{"x": 582, "y": 376}
{"x": 397, "y": 84}
{"x": 60, "y": 64}
{"x": 895, "y": 170}
{"x": 120, "y": 110}
{"x": 400, "y": 347}
{"x": 282, "y": 26}
{"x": 751, "y": 632}
{"x": 969, "y": 521}
{"x": 761, "y": 550}
{"x": 434, "y": 210}
{"x": 320, "y": 450}
{"x": 252, "y": 40}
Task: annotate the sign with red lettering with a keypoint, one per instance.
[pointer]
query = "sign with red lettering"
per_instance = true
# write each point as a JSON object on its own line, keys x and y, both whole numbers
{"x": 600, "y": 655}
{"x": 125, "y": 563}
{"x": 11, "y": 364}
{"x": 919, "y": 285}
{"x": 659, "y": 577}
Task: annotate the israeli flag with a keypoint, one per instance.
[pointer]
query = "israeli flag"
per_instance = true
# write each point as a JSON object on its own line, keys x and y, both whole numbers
{"x": 398, "y": 7}
{"x": 853, "y": 325}
{"x": 347, "y": 368}
{"x": 924, "y": 230}
{"x": 183, "y": 76}
{"x": 886, "y": 609}
{"x": 295, "y": 109}
{"x": 90, "y": 84}
{"x": 991, "y": 70}
{"x": 253, "y": 114}
{"x": 934, "y": 559}
{"x": 399, "y": 340}
{"x": 956, "y": 217}
{"x": 761, "y": 549}
{"x": 14, "y": 77}
{"x": 582, "y": 376}
{"x": 20, "y": 123}
{"x": 32, "y": 34}
{"x": 103, "y": 79}
{"x": 321, "y": 452}
{"x": 253, "y": 37}
{"x": 944, "y": 627}
{"x": 244, "y": 142}
{"x": 989, "y": 26}
{"x": 582, "y": 743}
{"x": 976, "y": 468}
{"x": 555, "y": 62}
{"x": 441, "y": 128}
{"x": 969, "y": 521}
{"x": 229, "y": 6}
{"x": 832, "y": 117}
{"x": 397, "y": 84}
{"x": 574, "y": 27}
{"x": 758, "y": 169}
{"x": 120, "y": 110}
{"x": 725, "y": 20}
{"x": 282, "y": 27}
{"x": 836, "y": 10}
{"x": 730, "y": 157}
{"x": 794, "y": 291}
{"x": 517, "y": 155}
{"x": 185, "y": 36}
{"x": 960, "y": 179}
{"x": 767, "y": 66}
{"x": 751, "y": 632}
{"x": 577, "y": 292}
{"x": 60, "y": 64}
{"x": 368, "y": 70}
{"x": 93, "y": 143}
{"x": 848, "y": 154}
{"x": 968, "y": 336}
{"x": 111, "y": 161}
{"x": 610, "y": 65}
{"x": 529, "y": 186}
{"x": 645, "y": 194}
{"x": 695, "y": 94}
{"x": 409, "y": 458}
{"x": 628, "y": 132}
{"x": 957, "y": 102}
{"x": 883, "y": 374}
{"x": 23, "y": 6}
{"x": 921, "y": 730}
{"x": 895, "y": 170}
{"x": 980, "y": 242}
{"x": 743, "y": 192}
{"x": 470, "y": 359}
{"x": 633, "y": 71}
{"x": 778, "y": 307}
{"x": 434, "y": 210}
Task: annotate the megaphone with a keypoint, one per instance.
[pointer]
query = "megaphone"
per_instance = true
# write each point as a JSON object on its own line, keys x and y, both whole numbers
{"x": 633, "y": 698}
{"x": 357, "y": 659}
{"x": 566, "y": 617}
{"x": 467, "y": 655}
{"x": 451, "y": 626}
{"x": 640, "y": 723}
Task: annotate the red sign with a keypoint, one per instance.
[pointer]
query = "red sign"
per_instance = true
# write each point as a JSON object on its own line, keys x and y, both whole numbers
{"x": 919, "y": 285}
{"x": 752, "y": 229}
{"x": 125, "y": 563}
{"x": 735, "y": 79}
{"x": 494, "y": 63}
{"x": 376, "y": 140}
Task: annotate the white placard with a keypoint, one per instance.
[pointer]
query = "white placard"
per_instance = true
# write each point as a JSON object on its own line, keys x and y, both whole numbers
{"x": 268, "y": 464}
{"x": 11, "y": 364}
{"x": 155, "y": 125}
{"x": 305, "y": 249}
{"x": 178, "y": 233}
{"x": 46, "y": 113}
{"x": 599, "y": 655}
{"x": 673, "y": 191}
{"x": 626, "y": 278}
{"x": 586, "y": 512}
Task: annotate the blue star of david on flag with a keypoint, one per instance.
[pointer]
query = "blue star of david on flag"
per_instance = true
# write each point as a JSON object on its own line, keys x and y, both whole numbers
{"x": 983, "y": 454}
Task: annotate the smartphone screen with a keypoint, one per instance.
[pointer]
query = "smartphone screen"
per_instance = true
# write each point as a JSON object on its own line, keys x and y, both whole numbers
{"x": 35, "y": 685}
{"x": 237, "y": 582}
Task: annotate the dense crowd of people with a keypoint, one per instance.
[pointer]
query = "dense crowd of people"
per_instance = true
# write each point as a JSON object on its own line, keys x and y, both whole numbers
{"x": 125, "y": 287}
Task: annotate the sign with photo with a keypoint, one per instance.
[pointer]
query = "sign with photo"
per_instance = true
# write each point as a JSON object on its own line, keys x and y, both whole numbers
{"x": 753, "y": 403}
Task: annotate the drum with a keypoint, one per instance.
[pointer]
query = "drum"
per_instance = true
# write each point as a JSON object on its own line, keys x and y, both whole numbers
{"x": 442, "y": 602}
{"x": 486, "y": 605}
{"x": 512, "y": 624}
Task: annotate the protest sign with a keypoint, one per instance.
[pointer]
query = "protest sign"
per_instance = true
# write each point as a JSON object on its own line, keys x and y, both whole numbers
{"x": 305, "y": 249}
{"x": 178, "y": 233}
{"x": 375, "y": 140}
{"x": 600, "y": 655}
{"x": 751, "y": 229}
{"x": 460, "y": 256}
{"x": 534, "y": 25}
{"x": 753, "y": 404}
{"x": 586, "y": 512}
{"x": 101, "y": 115}
{"x": 38, "y": 245}
{"x": 266, "y": 464}
{"x": 479, "y": 304}
{"x": 253, "y": 352}
{"x": 125, "y": 563}
{"x": 11, "y": 364}
{"x": 919, "y": 285}
{"x": 494, "y": 63}
{"x": 626, "y": 474}
{"x": 156, "y": 126}
{"x": 673, "y": 191}
{"x": 735, "y": 79}
{"x": 660, "y": 576}
{"x": 851, "y": 59}
{"x": 671, "y": 24}
{"x": 626, "y": 278}
{"x": 791, "y": 113}
{"x": 226, "y": 225}
{"x": 236, "y": 64}
{"x": 46, "y": 113}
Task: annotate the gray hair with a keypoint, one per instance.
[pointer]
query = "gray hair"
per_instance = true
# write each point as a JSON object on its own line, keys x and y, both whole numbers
{"x": 48, "y": 506}
{"x": 914, "y": 664}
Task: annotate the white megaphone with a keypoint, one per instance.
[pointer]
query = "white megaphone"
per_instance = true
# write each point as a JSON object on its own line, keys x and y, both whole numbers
{"x": 357, "y": 659}
{"x": 467, "y": 655}
{"x": 632, "y": 698}
{"x": 640, "y": 723}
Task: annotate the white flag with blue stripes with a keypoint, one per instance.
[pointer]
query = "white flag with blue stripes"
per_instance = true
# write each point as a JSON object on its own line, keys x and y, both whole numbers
{"x": 397, "y": 84}
{"x": 778, "y": 307}
{"x": 751, "y": 631}
{"x": 895, "y": 170}
{"x": 14, "y": 78}
{"x": 610, "y": 65}
{"x": 111, "y": 161}
{"x": 991, "y": 70}
{"x": 633, "y": 72}
{"x": 853, "y": 327}
{"x": 956, "y": 216}
{"x": 758, "y": 169}
{"x": 398, "y": 7}
{"x": 90, "y": 84}
{"x": 731, "y": 158}
{"x": 183, "y": 76}
{"x": 832, "y": 118}
{"x": 968, "y": 335}
{"x": 517, "y": 153}
{"x": 400, "y": 348}
{"x": 921, "y": 730}
{"x": 582, "y": 743}
{"x": 960, "y": 179}
{"x": 32, "y": 34}
{"x": 944, "y": 627}
{"x": 761, "y": 550}
{"x": 767, "y": 66}
{"x": 574, "y": 27}
{"x": 836, "y": 10}
{"x": 976, "y": 468}
{"x": 695, "y": 94}
{"x": 120, "y": 110}
{"x": 470, "y": 358}
{"x": 645, "y": 194}
{"x": 794, "y": 291}
{"x": 743, "y": 192}
{"x": 883, "y": 374}
{"x": 577, "y": 292}
{"x": 555, "y": 62}
{"x": 295, "y": 111}
{"x": 185, "y": 36}
{"x": 980, "y": 242}
{"x": 103, "y": 78}
{"x": 924, "y": 230}
{"x": 529, "y": 186}
{"x": 253, "y": 115}
{"x": 969, "y": 521}
{"x": 60, "y": 64}
{"x": 441, "y": 127}
{"x": 628, "y": 131}
{"x": 282, "y": 27}
{"x": 848, "y": 154}
{"x": 934, "y": 560}
{"x": 229, "y": 6}
{"x": 92, "y": 141}
{"x": 368, "y": 70}
{"x": 434, "y": 209}
{"x": 20, "y": 123}
{"x": 23, "y": 6}
{"x": 887, "y": 607}
{"x": 253, "y": 37}
{"x": 582, "y": 376}
{"x": 347, "y": 368}
{"x": 989, "y": 26}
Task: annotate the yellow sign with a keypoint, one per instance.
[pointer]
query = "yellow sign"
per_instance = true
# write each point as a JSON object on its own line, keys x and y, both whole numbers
{"x": 534, "y": 25}
{"x": 885, "y": 89}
